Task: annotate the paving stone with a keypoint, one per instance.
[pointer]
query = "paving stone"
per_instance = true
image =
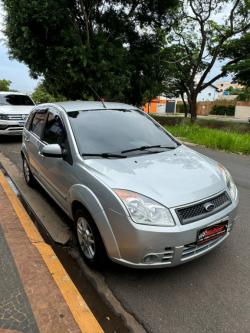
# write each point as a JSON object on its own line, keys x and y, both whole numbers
{"x": 30, "y": 301}
{"x": 15, "y": 311}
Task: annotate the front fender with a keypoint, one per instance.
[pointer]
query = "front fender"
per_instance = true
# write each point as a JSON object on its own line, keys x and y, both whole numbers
{"x": 89, "y": 200}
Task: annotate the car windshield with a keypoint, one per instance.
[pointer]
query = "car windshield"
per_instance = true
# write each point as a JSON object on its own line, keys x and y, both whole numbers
{"x": 117, "y": 131}
{"x": 14, "y": 99}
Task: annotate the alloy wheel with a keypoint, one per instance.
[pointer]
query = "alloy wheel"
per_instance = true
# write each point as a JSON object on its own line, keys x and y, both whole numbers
{"x": 86, "y": 238}
{"x": 26, "y": 170}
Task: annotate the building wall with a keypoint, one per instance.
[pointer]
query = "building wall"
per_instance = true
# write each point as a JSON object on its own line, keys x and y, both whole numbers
{"x": 242, "y": 110}
{"x": 223, "y": 86}
{"x": 227, "y": 97}
{"x": 157, "y": 105}
{"x": 204, "y": 108}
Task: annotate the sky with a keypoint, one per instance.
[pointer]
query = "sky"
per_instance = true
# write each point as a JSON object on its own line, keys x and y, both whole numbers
{"x": 13, "y": 70}
{"x": 18, "y": 73}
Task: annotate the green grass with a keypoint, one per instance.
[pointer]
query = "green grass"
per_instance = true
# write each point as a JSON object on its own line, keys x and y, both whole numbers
{"x": 213, "y": 138}
{"x": 225, "y": 125}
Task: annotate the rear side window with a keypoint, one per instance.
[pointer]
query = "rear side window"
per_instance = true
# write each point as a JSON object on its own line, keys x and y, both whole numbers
{"x": 38, "y": 122}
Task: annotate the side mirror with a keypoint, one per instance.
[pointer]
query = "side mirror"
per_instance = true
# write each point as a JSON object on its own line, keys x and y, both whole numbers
{"x": 53, "y": 150}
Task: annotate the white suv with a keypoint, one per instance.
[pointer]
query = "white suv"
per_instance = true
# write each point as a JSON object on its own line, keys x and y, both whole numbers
{"x": 14, "y": 109}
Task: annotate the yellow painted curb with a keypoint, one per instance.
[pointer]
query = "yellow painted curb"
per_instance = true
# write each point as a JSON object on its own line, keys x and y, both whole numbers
{"x": 78, "y": 307}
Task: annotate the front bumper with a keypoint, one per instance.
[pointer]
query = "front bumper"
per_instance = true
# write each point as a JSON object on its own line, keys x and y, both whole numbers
{"x": 169, "y": 246}
{"x": 10, "y": 127}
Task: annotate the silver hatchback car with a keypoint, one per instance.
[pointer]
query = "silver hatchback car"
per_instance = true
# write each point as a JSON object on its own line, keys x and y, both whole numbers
{"x": 134, "y": 192}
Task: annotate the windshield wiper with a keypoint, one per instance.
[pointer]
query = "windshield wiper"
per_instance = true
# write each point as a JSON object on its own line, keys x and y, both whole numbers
{"x": 105, "y": 155}
{"x": 148, "y": 147}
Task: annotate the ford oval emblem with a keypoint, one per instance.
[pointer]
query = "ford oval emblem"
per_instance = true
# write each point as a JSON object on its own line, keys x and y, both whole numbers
{"x": 209, "y": 206}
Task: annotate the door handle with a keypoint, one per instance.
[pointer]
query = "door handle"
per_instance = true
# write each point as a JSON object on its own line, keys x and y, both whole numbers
{"x": 26, "y": 140}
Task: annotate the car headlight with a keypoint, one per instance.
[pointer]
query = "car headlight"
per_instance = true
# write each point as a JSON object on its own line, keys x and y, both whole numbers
{"x": 4, "y": 116}
{"x": 144, "y": 210}
{"x": 229, "y": 181}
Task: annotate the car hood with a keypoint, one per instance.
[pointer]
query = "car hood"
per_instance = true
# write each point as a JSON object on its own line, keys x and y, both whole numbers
{"x": 172, "y": 178}
{"x": 16, "y": 109}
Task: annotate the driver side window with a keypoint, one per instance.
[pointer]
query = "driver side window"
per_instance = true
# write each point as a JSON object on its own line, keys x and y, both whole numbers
{"x": 54, "y": 131}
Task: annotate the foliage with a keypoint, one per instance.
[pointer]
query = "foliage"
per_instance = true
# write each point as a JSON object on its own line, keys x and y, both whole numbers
{"x": 244, "y": 95}
{"x": 223, "y": 110}
{"x": 41, "y": 95}
{"x": 83, "y": 48}
{"x": 199, "y": 40}
{"x": 240, "y": 48}
{"x": 180, "y": 108}
{"x": 5, "y": 85}
{"x": 212, "y": 138}
{"x": 234, "y": 91}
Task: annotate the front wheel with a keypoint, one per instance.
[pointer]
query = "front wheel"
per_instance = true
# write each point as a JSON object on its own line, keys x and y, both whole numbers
{"x": 89, "y": 240}
{"x": 29, "y": 178}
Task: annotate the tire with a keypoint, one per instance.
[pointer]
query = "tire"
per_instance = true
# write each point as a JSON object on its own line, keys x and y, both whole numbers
{"x": 89, "y": 240}
{"x": 28, "y": 176}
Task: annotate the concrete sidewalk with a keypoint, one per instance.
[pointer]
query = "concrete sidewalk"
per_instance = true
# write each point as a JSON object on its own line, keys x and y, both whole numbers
{"x": 36, "y": 294}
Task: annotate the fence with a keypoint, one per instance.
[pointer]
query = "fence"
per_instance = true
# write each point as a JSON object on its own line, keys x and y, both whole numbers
{"x": 204, "y": 108}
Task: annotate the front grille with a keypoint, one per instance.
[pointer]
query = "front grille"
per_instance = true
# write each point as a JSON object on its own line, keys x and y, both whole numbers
{"x": 17, "y": 117}
{"x": 11, "y": 127}
{"x": 191, "y": 250}
{"x": 197, "y": 211}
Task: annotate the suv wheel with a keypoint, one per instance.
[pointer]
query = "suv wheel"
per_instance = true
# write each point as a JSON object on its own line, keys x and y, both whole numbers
{"x": 29, "y": 178}
{"x": 89, "y": 240}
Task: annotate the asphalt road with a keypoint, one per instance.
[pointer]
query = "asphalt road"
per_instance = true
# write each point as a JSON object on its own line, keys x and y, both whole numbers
{"x": 210, "y": 294}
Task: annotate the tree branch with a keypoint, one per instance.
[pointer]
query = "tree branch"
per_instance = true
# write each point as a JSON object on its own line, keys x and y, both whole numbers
{"x": 183, "y": 43}
{"x": 231, "y": 16}
{"x": 133, "y": 8}
{"x": 223, "y": 73}
{"x": 86, "y": 21}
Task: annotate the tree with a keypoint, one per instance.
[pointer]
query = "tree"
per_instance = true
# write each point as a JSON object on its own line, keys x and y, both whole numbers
{"x": 41, "y": 95}
{"x": 83, "y": 48}
{"x": 240, "y": 48}
{"x": 200, "y": 39}
{"x": 176, "y": 76}
{"x": 244, "y": 95}
{"x": 5, "y": 85}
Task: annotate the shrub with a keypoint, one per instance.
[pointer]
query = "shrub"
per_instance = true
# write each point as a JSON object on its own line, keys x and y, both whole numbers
{"x": 41, "y": 95}
{"x": 168, "y": 120}
{"x": 180, "y": 108}
{"x": 223, "y": 110}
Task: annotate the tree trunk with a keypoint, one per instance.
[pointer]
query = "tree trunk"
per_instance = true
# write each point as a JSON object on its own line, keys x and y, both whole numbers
{"x": 193, "y": 107}
{"x": 185, "y": 105}
{"x": 149, "y": 105}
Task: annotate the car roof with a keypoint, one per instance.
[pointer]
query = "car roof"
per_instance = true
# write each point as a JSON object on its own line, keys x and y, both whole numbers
{"x": 12, "y": 93}
{"x": 92, "y": 105}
